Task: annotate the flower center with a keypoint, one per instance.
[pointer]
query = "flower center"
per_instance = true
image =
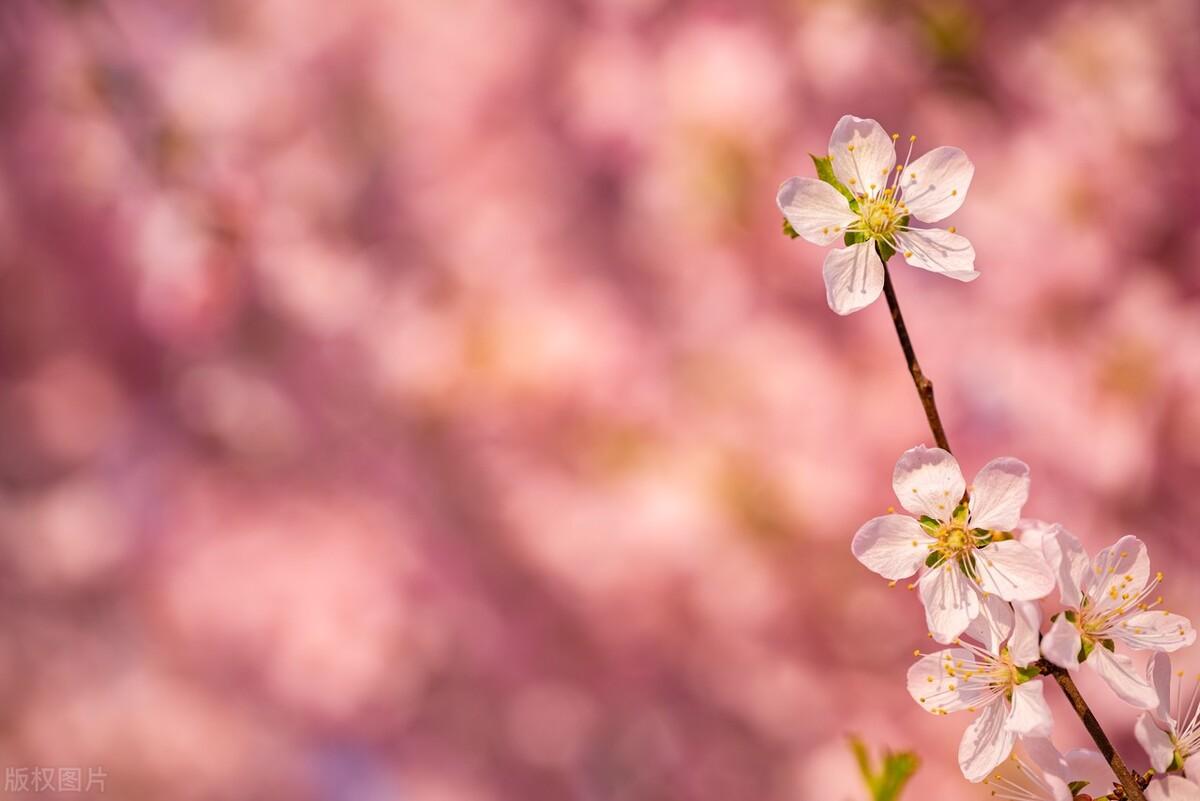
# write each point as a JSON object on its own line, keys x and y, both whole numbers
{"x": 880, "y": 215}
{"x": 954, "y": 540}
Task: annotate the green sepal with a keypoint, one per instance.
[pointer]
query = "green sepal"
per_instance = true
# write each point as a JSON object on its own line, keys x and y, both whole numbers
{"x": 929, "y": 524}
{"x": 1076, "y": 786}
{"x": 1070, "y": 615}
{"x": 1025, "y": 674}
{"x": 960, "y": 513}
{"x": 884, "y": 250}
{"x": 854, "y": 238}
{"x": 934, "y": 559}
{"x": 1085, "y": 650}
{"x": 1176, "y": 762}
{"x": 1110, "y": 645}
{"x": 824, "y": 165}
{"x": 788, "y": 230}
{"x": 968, "y": 567}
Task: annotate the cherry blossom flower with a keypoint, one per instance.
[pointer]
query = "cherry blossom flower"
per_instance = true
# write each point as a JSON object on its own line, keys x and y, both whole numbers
{"x": 971, "y": 564}
{"x": 1041, "y": 773}
{"x": 1172, "y": 788}
{"x": 1170, "y": 732}
{"x": 999, "y": 681}
{"x": 1108, "y": 601}
{"x": 873, "y": 205}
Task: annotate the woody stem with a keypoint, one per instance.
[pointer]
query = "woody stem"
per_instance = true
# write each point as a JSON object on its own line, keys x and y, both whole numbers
{"x": 1129, "y": 781}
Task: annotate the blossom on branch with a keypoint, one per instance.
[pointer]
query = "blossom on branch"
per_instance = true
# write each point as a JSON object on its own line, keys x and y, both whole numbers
{"x": 866, "y": 200}
{"x": 1170, "y": 732}
{"x": 971, "y": 564}
{"x": 1041, "y": 773}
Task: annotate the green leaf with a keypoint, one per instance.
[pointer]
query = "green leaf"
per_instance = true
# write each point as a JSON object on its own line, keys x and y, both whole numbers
{"x": 824, "y": 165}
{"x": 886, "y": 783}
{"x": 788, "y": 230}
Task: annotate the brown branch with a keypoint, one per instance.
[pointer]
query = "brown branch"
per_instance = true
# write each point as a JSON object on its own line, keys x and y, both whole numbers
{"x": 1129, "y": 781}
{"x": 923, "y": 384}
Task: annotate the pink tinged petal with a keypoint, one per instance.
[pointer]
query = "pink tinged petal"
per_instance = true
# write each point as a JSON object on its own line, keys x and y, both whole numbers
{"x": 1191, "y": 766}
{"x": 994, "y": 623}
{"x": 853, "y": 277}
{"x": 998, "y": 493}
{"x": 985, "y": 744}
{"x": 1158, "y": 673}
{"x": 1013, "y": 572}
{"x": 1062, "y": 643}
{"x": 1026, "y": 629}
{"x": 816, "y": 210}
{"x": 1086, "y": 765}
{"x": 1029, "y": 716}
{"x": 1172, "y": 788}
{"x": 951, "y": 601}
{"x": 1154, "y": 630}
{"x": 862, "y": 153}
{"x": 894, "y": 546}
{"x": 929, "y": 482}
{"x": 1069, "y": 562}
{"x": 936, "y": 690}
{"x": 1118, "y": 672}
{"x": 936, "y": 183}
{"x": 1126, "y": 558}
{"x": 938, "y": 251}
{"x": 1156, "y": 742}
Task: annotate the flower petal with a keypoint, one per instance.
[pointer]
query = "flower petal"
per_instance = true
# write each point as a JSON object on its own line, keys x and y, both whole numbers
{"x": 1123, "y": 566}
{"x": 1061, "y": 643}
{"x": 936, "y": 183}
{"x": 1191, "y": 766}
{"x": 1158, "y": 673}
{"x": 1172, "y": 788}
{"x": 1156, "y": 742}
{"x": 1030, "y": 715}
{"x": 1013, "y": 572}
{"x": 938, "y": 251}
{"x": 1155, "y": 630}
{"x": 862, "y": 153}
{"x": 985, "y": 744}
{"x": 933, "y": 688}
{"x": 816, "y": 210}
{"x": 1026, "y": 629}
{"x": 994, "y": 623}
{"x": 951, "y": 601}
{"x": 999, "y": 491}
{"x": 1068, "y": 560}
{"x": 894, "y": 546}
{"x": 1086, "y": 765}
{"x": 929, "y": 482}
{"x": 1117, "y": 670}
{"x": 853, "y": 277}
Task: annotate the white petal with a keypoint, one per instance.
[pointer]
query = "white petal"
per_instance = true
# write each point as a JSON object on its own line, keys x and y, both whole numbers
{"x": 1125, "y": 566}
{"x": 862, "y": 152}
{"x": 1044, "y": 755}
{"x": 1013, "y": 572}
{"x": 1026, "y": 629}
{"x": 936, "y": 183}
{"x": 1117, "y": 670}
{"x": 934, "y": 689}
{"x": 929, "y": 482}
{"x": 1158, "y": 673}
{"x": 1030, "y": 716}
{"x": 951, "y": 601}
{"x": 1191, "y": 766}
{"x": 1084, "y": 764}
{"x": 816, "y": 210}
{"x": 1062, "y": 643}
{"x": 985, "y": 743}
{"x": 1069, "y": 562}
{"x": 894, "y": 546}
{"x": 994, "y": 623}
{"x": 938, "y": 251}
{"x": 853, "y": 277}
{"x": 1156, "y": 742}
{"x": 998, "y": 493}
{"x": 1155, "y": 630}
{"x": 1172, "y": 788}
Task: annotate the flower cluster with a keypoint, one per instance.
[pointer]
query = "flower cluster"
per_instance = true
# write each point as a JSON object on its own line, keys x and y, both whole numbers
{"x": 984, "y": 576}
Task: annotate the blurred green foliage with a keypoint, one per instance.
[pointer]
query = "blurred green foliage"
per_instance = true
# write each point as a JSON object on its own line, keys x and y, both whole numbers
{"x": 888, "y": 780}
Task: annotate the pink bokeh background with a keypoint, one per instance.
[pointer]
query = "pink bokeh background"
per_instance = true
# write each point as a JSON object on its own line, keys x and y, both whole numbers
{"x": 418, "y": 400}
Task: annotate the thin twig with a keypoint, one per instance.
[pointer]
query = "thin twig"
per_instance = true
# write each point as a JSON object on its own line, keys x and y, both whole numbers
{"x": 1129, "y": 781}
{"x": 923, "y": 384}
